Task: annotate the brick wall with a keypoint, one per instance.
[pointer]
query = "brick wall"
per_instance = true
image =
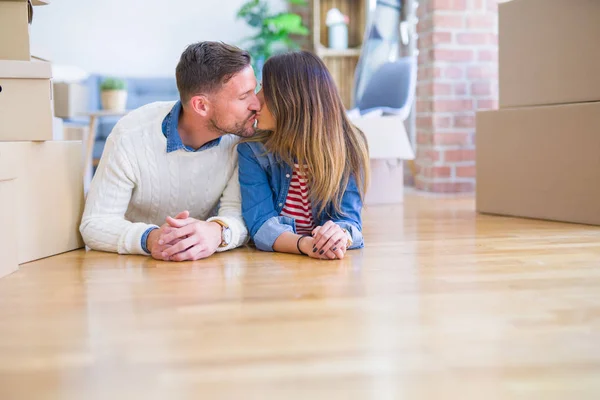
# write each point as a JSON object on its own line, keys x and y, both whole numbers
{"x": 458, "y": 62}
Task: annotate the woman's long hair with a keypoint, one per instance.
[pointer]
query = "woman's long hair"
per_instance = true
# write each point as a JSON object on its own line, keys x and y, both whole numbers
{"x": 312, "y": 128}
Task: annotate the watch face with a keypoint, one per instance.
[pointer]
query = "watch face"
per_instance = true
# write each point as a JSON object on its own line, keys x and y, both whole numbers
{"x": 226, "y": 236}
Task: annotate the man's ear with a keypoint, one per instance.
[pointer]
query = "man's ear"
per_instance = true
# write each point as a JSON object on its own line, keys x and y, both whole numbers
{"x": 200, "y": 105}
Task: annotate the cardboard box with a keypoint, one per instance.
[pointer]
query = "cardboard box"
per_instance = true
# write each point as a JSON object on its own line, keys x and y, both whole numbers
{"x": 15, "y": 17}
{"x": 49, "y": 196}
{"x": 388, "y": 147}
{"x": 26, "y": 109}
{"x": 549, "y": 52}
{"x": 540, "y": 162}
{"x": 8, "y": 241}
{"x": 70, "y": 99}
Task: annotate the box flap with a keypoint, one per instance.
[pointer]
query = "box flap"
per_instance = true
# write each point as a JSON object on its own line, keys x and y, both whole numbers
{"x": 386, "y": 137}
{"x": 33, "y": 2}
{"x": 25, "y": 69}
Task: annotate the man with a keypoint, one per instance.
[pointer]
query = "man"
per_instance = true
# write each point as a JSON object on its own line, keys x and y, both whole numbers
{"x": 167, "y": 162}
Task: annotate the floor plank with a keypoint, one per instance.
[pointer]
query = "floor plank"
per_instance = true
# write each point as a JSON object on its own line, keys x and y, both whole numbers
{"x": 442, "y": 303}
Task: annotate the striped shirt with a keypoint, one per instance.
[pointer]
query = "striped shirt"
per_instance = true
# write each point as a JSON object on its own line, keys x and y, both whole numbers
{"x": 297, "y": 203}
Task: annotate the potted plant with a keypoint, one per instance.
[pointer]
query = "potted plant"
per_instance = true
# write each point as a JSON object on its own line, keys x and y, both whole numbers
{"x": 274, "y": 30}
{"x": 113, "y": 93}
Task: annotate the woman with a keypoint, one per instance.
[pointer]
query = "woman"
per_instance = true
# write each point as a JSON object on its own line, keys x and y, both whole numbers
{"x": 303, "y": 176}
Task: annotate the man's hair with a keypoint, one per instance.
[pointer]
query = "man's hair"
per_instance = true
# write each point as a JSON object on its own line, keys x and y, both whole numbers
{"x": 205, "y": 66}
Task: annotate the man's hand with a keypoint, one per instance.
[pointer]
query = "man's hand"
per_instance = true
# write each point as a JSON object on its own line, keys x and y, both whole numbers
{"x": 195, "y": 239}
{"x": 152, "y": 244}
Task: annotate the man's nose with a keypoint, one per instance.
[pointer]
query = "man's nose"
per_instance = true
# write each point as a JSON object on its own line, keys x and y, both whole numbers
{"x": 256, "y": 104}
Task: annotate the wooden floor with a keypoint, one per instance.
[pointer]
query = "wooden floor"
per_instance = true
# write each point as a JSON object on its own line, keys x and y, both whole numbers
{"x": 441, "y": 304}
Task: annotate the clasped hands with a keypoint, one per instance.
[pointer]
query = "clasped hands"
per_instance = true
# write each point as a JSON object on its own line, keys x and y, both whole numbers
{"x": 184, "y": 239}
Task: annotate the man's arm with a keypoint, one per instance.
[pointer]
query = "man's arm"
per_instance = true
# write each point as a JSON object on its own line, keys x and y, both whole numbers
{"x": 230, "y": 213}
{"x": 103, "y": 225}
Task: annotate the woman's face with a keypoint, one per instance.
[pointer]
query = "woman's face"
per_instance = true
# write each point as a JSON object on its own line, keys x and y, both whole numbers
{"x": 265, "y": 119}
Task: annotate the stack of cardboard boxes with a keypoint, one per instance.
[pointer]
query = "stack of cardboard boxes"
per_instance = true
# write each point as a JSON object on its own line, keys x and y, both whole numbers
{"x": 41, "y": 180}
{"x": 539, "y": 155}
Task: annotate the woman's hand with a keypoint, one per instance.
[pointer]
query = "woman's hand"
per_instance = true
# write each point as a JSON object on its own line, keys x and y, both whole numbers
{"x": 329, "y": 241}
{"x": 307, "y": 245}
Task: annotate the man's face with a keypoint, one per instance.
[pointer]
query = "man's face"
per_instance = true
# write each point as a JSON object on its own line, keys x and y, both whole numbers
{"x": 235, "y": 105}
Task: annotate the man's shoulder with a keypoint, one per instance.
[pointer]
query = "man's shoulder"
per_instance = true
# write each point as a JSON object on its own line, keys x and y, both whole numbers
{"x": 149, "y": 116}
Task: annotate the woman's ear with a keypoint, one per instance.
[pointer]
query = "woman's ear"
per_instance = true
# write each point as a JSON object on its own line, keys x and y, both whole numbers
{"x": 200, "y": 105}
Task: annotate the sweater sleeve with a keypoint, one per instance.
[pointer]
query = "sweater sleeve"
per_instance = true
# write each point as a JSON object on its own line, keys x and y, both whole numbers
{"x": 230, "y": 212}
{"x": 103, "y": 225}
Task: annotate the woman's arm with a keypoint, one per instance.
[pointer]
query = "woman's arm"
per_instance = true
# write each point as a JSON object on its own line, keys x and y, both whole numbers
{"x": 349, "y": 220}
{"x": 258, "y": 209}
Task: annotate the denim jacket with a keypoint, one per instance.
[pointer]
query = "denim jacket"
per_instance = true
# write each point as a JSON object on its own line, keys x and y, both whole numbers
{"x": 265, "y": 181}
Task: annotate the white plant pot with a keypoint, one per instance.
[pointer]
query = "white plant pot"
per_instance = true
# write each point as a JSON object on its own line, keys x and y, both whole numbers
{"x": 115, "y": 100}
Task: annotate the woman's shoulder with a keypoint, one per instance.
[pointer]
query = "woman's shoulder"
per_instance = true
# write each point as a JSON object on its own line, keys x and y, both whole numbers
{"x": 256, "y": 149}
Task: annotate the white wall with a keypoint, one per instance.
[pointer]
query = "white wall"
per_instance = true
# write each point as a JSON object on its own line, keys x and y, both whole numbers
{"x": 132, "y": 37}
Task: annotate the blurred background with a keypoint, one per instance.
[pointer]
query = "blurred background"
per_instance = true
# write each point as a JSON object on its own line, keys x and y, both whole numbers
{"x": 448, "y": 48}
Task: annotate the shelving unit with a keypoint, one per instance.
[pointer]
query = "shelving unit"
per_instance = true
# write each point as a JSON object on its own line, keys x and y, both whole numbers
{"x": 341, "y": 63}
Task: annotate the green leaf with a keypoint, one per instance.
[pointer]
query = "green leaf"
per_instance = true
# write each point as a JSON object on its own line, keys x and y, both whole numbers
{"x": 298, "y": 2}
{"x": 247, "y": 8}
{"x": 286, "y": 22}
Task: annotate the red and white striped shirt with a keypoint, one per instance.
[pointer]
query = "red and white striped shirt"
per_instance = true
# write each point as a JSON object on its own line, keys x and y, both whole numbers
{"x": 297, "y": 203}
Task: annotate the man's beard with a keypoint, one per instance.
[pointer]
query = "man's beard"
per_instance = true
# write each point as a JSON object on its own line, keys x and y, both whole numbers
{"x": 238, "y": 129}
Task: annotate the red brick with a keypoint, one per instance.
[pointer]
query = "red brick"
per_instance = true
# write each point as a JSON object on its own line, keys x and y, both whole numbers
{"x": 481, "y": 89}
{"x": 452, "y": 105}
{"x": 441, "y": 122}
{"x": 487, "y": 104}
{"x": 459, "y": 155}
{"x": 437, "y": 72}
{"x": 440, "y": 172}
{"x": 487, "y": 55}
{"x": 465, "y": 171}
{"x": 452, "y": 138}
{"x": 435, "y": 171}
{"x": 458, "y": 56}
{"x": 454, "y": 72}
{"x": 442, "y": 89}
{"x": 481, "y": 21}
{"x": 451, "y": 187}
{"x": 425, "y": 41}
{"x": 423, "y": 91}
{"x": 428, "y": 156}
{"x": 441, "y": 37}
{"x": 464, "y": 121}
{"x": 461, "y": 89}
{"x": 423, "y": 106}
{"x": 475, "y": 38}
{"x": 424, "y": 137}
{"x": 452, "y": 21}
{"x": 424, "y": 74}
{"x": 459, "y": 5}
{"x": 425, "y": 23}
{"x": 482, "y": 72}
{"x": 424, "y": 122}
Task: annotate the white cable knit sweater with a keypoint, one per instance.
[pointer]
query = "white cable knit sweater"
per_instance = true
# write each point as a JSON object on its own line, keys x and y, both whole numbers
{"x": 138, "y": 184}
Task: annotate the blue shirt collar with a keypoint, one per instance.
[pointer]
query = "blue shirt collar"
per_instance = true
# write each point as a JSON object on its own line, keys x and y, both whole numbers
{"x": 169, "y": 129}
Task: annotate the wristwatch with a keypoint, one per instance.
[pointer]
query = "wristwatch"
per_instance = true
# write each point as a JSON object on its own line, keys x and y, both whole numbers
{"x": 225, "y": 233}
